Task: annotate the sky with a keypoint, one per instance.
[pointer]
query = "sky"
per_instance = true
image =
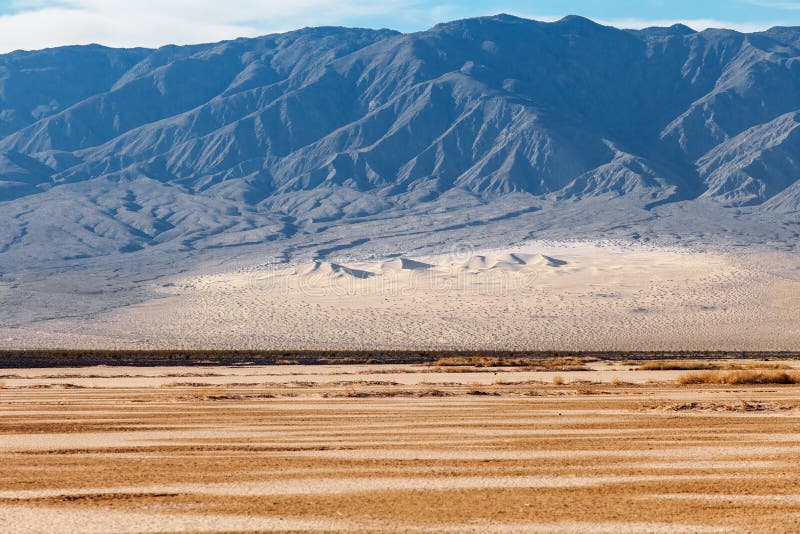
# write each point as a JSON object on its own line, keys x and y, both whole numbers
{"x": 34, "y": 24}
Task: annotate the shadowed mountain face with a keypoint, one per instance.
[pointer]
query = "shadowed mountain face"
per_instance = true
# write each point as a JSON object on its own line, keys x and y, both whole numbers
{"x": 325, "y": 132}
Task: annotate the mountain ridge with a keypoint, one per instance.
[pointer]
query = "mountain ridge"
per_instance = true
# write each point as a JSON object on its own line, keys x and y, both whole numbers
{"x": 306, "y": 142}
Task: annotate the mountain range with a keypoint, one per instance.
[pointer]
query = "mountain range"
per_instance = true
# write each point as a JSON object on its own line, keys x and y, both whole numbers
{"x": 326, "y": 141}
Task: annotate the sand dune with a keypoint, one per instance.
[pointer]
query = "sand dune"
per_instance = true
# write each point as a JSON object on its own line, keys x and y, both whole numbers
{"x": 510, "y": 262}
{"x": 333, "y": 270}
{"x": 581, "y": 296}
{"x": 405, "y": 264}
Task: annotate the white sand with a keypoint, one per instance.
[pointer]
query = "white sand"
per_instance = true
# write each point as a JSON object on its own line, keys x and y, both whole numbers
{"x": 582, "y": 296}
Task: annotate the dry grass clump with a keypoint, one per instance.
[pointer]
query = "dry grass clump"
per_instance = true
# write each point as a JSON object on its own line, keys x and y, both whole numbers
{"x": 741, "y": 406}
{"x": 536, "y": 364}
{"x": 696, "y": 365}
{"x": 741, "y": 377}
{"x": 479, "y": 390}
{"x": 432, "y": 393}
{"x": 221, "y": 393}
{"x": 185, "y": 385}
{"x": 54, "y": 386}
{"x": 214, "y": 394}
{"x": 482, "y": 393}
{"x": 373, "y": 394}
{"x": 480, "y": 361}
{"x": 223, "y": 396}
{"x": 558, "y": 381}
{"x": 564, "y": 364}
{"x": 679, "y": 365}
{"x": 352, "y": 393}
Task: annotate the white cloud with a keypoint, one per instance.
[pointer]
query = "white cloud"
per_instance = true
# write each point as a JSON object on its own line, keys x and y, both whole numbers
{"x": 34, "y": 24}
{"x": 40, "y": 23}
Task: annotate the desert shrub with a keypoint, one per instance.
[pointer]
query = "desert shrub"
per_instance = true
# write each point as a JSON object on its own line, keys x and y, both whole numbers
{"x": 742, "y": 377}
{"x": 695, "y": 365}
{"x": 741, "y": 406}
{"x": 535, "y": 364}
{"x": 677, "y": 365}
{"x": 431, "y": 393}
{"x": 757, "y": 365}
{"x": 353, "y": 393}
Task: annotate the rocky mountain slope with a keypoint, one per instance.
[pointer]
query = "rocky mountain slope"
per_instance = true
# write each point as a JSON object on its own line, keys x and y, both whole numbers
{"x": 326, "y": 140}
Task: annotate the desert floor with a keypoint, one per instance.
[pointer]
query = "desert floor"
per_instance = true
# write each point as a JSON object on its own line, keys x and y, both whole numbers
{"x": 395, "y": 448}
{"x": 564, "y": 296}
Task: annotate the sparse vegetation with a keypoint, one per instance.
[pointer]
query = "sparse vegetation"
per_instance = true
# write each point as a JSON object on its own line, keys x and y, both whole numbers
{"x": 740, "y": 406}
{"x": 696, "y": 365}
{"x": 27, "y": 359}
{"x": 558, "y": 381}
{"x": 352, "y": 393}
{"x": 678, "y": 365}
{"x": 618, "y": 382}
{"x": 480, "y": 392}
{"x": 534, "y": 364}
{"x": 478, "y": 389}
{"x": 432, "y": 393}
{"x": 741, "y": 377}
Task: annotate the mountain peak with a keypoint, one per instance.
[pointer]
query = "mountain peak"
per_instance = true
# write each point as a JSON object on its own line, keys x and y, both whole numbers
{"x": 505, "y": 17}
{"x": 577, "y": 21}
{"x": 662, "y": 31}
{"x": 682, "y": 29}
{"x": 500, "y": 18}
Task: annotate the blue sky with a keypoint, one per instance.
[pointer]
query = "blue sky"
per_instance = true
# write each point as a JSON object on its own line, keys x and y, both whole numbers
{"x": 29, "y": 24}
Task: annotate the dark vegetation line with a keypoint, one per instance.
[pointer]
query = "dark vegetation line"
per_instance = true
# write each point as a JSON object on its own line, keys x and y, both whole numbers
{"x": 20, "y": 359}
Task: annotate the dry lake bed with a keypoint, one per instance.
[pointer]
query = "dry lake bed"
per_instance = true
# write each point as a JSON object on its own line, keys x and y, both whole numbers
{"x": 561, "y": 446}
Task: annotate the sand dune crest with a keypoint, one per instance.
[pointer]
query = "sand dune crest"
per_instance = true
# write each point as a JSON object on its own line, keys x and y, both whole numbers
{"x": 405, "y": 264}
{"x": 334, "y": 270}
{"x": 512, "y": 262}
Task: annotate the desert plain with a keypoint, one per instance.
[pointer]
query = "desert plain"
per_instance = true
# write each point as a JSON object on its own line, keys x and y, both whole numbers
{"x": 458, "y": 444}
{"x": 609, "y": 387}
{"x": 540, "y": 295}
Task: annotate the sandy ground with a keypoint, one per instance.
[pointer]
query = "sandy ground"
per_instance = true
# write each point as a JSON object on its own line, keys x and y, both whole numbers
{"x": 570, "y": 296}
{"x": 246, "y": 450}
